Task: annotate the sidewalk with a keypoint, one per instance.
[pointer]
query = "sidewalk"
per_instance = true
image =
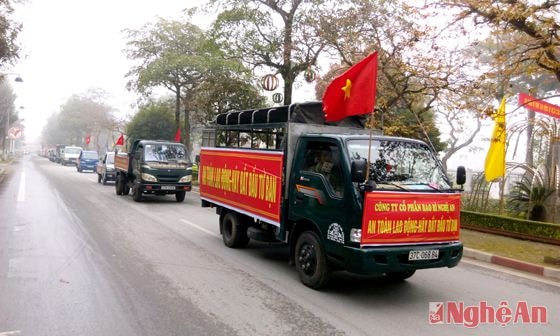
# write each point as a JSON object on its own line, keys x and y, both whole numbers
{"x": 3, "y": 170}
{"x": 523, "y": 255}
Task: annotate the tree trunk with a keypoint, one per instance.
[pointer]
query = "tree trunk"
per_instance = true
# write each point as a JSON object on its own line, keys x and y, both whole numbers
{"x": 288, "y": 84}
{"x": 529, "y": 148}
{"x": 187, "y": 130}
{"x": 177, "y": 107}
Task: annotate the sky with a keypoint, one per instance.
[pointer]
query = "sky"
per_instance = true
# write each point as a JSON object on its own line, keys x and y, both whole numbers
{"x": 69, "y": 46}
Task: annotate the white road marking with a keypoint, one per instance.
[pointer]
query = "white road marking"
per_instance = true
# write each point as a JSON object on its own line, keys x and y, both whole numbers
{"x": 199, "y": 228}
{"x": 21, "y": 191}
{"x": 7, "y": 333}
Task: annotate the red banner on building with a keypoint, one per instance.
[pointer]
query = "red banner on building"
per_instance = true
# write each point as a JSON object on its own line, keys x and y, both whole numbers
{"x": 249, "y": 181}
{"x": 538, "y": 105}
{"x": 404, "y": 218}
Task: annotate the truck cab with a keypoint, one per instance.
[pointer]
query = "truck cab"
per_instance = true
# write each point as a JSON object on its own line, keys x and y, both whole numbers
{"x": 70, "y": 154}
{"x": 154, "y": 167}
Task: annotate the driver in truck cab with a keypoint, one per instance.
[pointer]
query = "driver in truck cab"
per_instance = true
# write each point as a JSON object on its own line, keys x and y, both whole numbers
{"x": 323, "y": 161}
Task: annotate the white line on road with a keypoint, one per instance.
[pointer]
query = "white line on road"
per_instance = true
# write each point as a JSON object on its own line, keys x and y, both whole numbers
{"x": 21, "y": 191}
{"x": 7, "y": 333}
{"x": 199, "y": 228}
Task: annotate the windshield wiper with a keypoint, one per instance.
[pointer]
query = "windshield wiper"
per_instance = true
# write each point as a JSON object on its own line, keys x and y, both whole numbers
{"x": 393, "y": 184}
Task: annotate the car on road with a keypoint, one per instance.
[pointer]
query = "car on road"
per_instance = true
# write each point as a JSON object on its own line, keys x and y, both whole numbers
{"x": 69, "y": 155}
{"x": 87, "y": 160}
{"x": 106, "y": 168}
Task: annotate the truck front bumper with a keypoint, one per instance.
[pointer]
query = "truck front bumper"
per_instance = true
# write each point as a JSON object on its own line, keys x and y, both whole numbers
{"x": 372, "y": 260}
{"x": 165, "y": 188}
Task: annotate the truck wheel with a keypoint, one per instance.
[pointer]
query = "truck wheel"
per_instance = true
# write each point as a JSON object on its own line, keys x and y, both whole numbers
{"x": 311, "y": 260}
{"x": 99, "y": 178}
{"x": 400, "y": 276}
{"x": 180, "y": 196}
{"x": 136, "y": 193}
{"x": 119, "y": 185}
{"x": 233, "y": 233}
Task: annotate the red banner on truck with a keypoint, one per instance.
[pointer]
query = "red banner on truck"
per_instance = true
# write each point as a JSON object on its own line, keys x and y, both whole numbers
{"x": 248, "y": 181}
{"x": 404, "y": 218}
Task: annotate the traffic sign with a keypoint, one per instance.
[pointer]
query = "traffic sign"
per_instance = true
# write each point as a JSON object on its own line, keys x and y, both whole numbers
{"x": 15, "y": 133}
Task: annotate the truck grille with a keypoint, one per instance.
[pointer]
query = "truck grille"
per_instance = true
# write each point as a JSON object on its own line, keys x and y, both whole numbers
{"x": 168, "y": 178}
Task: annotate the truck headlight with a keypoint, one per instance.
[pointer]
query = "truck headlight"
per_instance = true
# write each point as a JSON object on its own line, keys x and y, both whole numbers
{"x": 185, "y": 179}
{"x": 149, "y": 177}
{"x": 356, "y": 235}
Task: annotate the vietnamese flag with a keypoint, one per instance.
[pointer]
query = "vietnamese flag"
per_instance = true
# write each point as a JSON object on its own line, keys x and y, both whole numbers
{"x": 120, "y": 141}
{"x": 178, "y": 135}
{"x": 353, "y": 92}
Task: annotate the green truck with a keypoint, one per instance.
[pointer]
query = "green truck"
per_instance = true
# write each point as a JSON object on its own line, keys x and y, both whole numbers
{"x": 341, "y": 197}
{"x": 153, "y": 168}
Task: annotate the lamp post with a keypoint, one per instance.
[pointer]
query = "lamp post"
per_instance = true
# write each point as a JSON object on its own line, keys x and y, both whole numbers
{"x": 5, "y": 141}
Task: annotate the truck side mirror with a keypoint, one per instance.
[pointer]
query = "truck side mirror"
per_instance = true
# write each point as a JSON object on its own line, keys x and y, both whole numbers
{"x": 358, "y": 170}
{"x": 461, "y": 175}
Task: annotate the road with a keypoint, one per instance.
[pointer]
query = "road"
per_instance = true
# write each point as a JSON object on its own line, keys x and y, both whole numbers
{"x": 75, "y": 259}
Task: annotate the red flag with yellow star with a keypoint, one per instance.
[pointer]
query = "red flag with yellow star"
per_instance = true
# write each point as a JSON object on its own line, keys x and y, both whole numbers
{"x": 353, "y": 92}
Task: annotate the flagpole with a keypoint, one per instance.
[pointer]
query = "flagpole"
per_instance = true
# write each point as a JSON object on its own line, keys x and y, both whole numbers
{"x": 369, "y": 145}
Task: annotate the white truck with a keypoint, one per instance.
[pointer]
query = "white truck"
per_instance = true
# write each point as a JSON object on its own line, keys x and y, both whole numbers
{"x": 70, "y": 154}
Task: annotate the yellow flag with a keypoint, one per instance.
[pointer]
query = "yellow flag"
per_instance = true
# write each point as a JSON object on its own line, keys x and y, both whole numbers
{"x": 495, "y": 164}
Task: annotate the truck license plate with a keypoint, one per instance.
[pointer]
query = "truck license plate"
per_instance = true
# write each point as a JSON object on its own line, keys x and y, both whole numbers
{"x": 423, "y": 255}
{"x": 167, "y": 187}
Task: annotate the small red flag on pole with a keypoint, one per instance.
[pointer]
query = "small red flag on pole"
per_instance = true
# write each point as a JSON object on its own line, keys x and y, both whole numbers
{"x": 178, "y": 135}
{"x": 88, "y": 139}
{"x": 120, "y": 141}
{"x": 353, "y": 92}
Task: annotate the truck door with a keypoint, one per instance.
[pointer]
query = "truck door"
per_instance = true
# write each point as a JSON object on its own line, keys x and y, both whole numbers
{"x": 319, "y": 187}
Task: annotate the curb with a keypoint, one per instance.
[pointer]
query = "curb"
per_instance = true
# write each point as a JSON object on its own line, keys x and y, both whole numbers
{"x": 547, "y": 272}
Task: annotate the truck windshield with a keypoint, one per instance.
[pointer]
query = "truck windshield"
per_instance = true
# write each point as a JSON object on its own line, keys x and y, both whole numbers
{"x": 110, "y": 159}
{"x": 165, "y": 153}
{"x": 408, "y": 165}
{"x": 72, "y": 150}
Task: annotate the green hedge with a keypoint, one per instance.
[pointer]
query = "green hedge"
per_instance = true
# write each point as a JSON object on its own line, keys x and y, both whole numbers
{"x": 510, "y": 224}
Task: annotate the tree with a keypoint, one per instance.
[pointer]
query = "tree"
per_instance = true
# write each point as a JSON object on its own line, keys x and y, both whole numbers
{"x": 532, "y": 26}
{"x": 530, "y": 194}
{"x": 410, "y": 82}
{"x": 218, "y": 95}
{"x": 9, "y": 30}
{"x": 8, "y": 113}
{"x": 271, "y": 33}
{"x": 81, "y": 115}
{"x": 181, "y": 58}
{"x": 154, "y": 120}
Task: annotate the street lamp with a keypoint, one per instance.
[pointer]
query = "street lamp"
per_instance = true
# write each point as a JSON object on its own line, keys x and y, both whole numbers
{"x": 18, "y": 79}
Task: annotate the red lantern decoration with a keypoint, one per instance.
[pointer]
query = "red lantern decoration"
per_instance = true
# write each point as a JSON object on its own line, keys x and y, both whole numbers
{"x": 277, "y": 98}
{"x": 269, "y": 82}
{"x": 309, "y": 75}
